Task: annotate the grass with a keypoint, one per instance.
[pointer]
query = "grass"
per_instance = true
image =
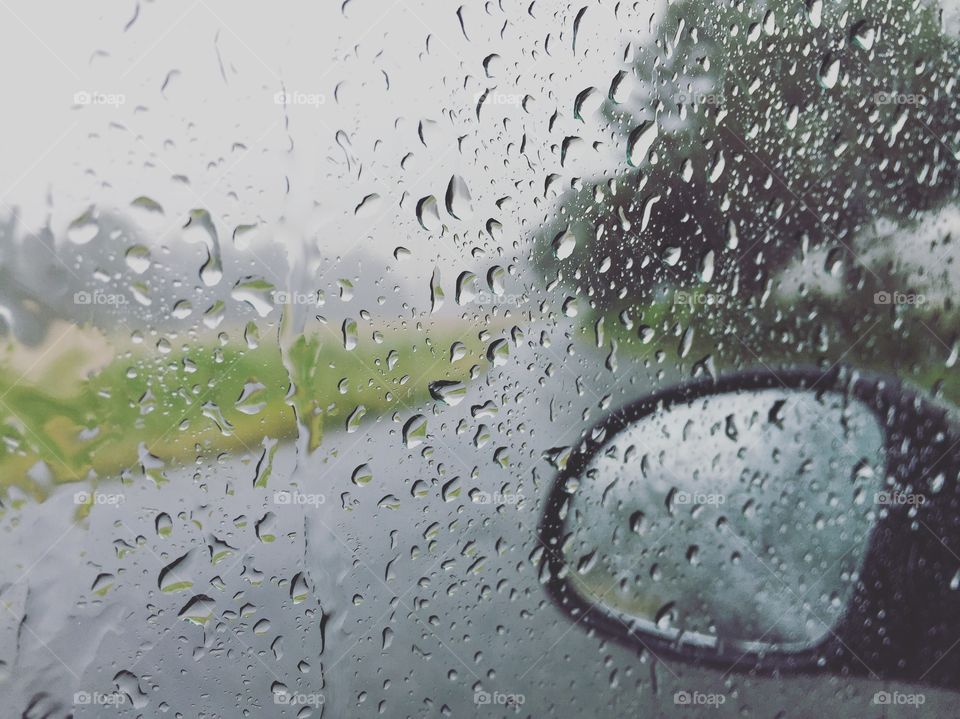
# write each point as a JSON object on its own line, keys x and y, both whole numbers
{"x": 170, "y": 409}
{"x": 144, "y": 411}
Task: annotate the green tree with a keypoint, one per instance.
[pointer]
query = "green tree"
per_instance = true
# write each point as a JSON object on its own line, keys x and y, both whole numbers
{"x": 762, "y": 127}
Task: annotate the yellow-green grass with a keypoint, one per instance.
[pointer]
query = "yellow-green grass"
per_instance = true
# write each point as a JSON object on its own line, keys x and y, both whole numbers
{"x": 182, "y": 405}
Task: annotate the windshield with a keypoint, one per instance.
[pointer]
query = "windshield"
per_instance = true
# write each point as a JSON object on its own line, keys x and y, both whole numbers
{"x": 303, "y": 307}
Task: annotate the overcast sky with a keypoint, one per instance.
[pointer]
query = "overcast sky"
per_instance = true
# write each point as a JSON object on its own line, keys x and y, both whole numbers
{"x": 189, "y": 90}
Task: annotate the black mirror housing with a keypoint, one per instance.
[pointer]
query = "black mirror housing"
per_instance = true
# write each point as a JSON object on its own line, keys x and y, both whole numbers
{"x": 903, "y": 618}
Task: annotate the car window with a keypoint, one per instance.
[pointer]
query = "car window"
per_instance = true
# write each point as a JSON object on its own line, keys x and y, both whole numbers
{"x": 305, "y": 309}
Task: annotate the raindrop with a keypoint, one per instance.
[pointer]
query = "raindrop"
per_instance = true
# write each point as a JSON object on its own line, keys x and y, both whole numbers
{"x": 199, "y": 610}
{"x": 564, "y": 244}
{"x": 498, "y": 352}
{"x": 362, "y": 475}
{"x": 255, "y": 292}
{"x": 369, "y": 206}
{"x": 83, "y": 229}
{"x": 448, "y": 392}
{"x": 264, "y": 528}
{"x": 640, "y": 141}
{"x": 299, "y": 589}
{"x": 495, "y": 279}
{"x": 436, "y": 291}
{"x": 171, "y": 577}
{"x": 138, "y": 259}
{"x": 415, "y": 431}
{"x": 353, "y": 421}
{"x": 349, "y": 332}
{"x": 212, "y": 271}
{"x": 829, "y": 71}
{"x": 466, "y": 288}
{"x": 428, "y": 213}
{"x": 458, "y": 200}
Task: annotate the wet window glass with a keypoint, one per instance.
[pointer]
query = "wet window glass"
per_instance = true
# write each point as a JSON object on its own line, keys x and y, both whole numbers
{"x": 479, "y": 359}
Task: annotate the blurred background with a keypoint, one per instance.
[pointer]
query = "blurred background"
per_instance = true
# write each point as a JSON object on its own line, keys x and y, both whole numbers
{"x": 397, "y": 258}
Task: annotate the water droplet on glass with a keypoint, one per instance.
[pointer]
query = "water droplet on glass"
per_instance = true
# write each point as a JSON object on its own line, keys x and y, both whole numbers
{"x": 428, "y": 213}
{"x": 640, "y": 141}
{"x": 459, "y": 203}
{"x": 83, "y": 229}
{"x": 138, "y": 259}
{"x": 498, "y": 352}
{"x": 564, "y": 244}
{"x": 362, "y": 475}
{"x": 447, "y": 391}
{"x": 349, "y": 332}
{"x": 415, "y": 431}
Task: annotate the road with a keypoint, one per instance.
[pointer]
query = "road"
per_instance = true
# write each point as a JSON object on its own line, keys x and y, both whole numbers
{"x": 415, "y": 599}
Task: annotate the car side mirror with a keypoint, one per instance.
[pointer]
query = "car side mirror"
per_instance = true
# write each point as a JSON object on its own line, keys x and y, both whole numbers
{"x": 767, "y": 523}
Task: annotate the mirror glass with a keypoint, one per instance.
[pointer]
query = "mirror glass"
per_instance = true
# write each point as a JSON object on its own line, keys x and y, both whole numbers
{"x": 741, "y": 517}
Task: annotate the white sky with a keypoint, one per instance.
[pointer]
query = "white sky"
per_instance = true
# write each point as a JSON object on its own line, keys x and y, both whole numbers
{"x": 107, "y": 156}
{"x": 229, "y": 138}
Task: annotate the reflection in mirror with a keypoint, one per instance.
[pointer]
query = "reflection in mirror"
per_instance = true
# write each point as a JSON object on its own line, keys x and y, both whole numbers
{"x": 738, "y": 517}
